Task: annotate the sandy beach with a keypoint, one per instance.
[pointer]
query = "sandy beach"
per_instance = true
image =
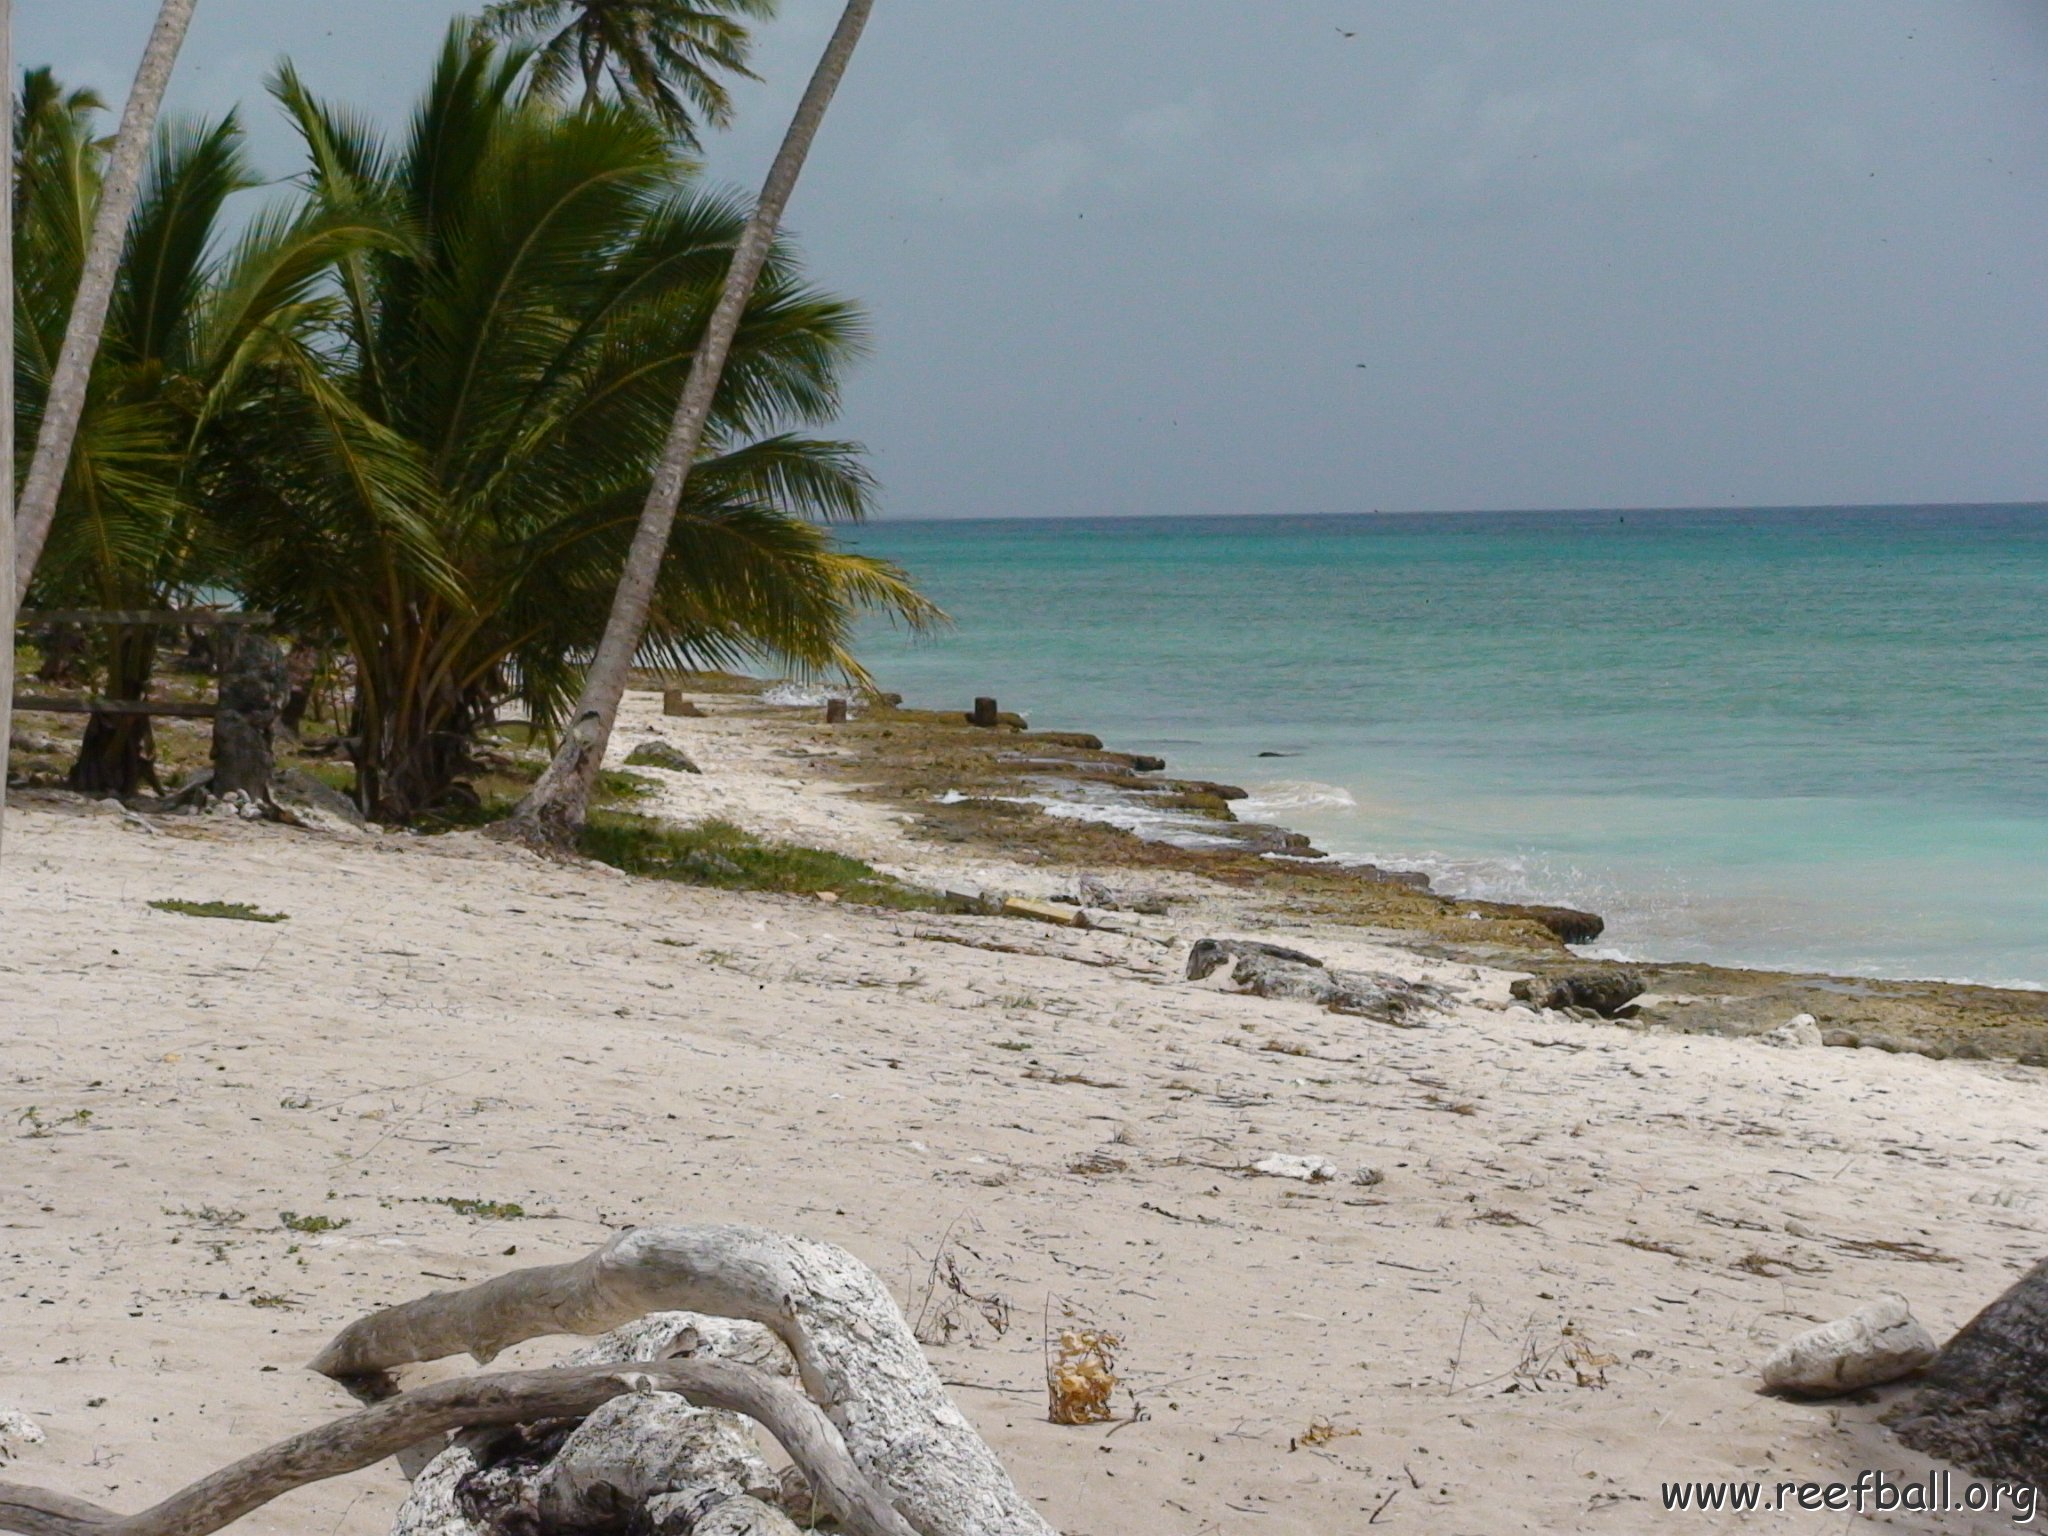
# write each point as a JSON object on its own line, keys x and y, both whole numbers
{"x": 1540, "y": 1286}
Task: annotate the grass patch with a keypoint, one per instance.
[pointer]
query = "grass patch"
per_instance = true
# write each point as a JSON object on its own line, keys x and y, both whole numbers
{"x": 236, "y": 911}
{"x": 500, "y": 790}
{"x": 292, "y": 1221}
{"x": 339, "y": 777}
{"x": 717, "y": 853}
{"x": 486, "y": 1210}
{"x": 617, "y": 784}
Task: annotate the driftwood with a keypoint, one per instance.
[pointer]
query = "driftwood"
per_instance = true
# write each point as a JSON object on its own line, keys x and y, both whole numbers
{"x": 650, "y": 1459}
{"x": 647, "y": 1428}
{"x": 1984, "y": 1403}
{"x": 656, "y": 1451}
{"x": 853, "y": 1350}
{"x": 518, "y": 1397}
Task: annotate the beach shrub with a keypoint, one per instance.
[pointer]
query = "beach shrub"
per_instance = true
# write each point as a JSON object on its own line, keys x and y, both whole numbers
{"x": 717, "y": 853}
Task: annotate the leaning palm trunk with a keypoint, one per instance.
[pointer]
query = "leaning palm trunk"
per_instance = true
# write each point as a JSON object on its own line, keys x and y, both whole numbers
{"x": 7, "y": 599}
{"x": 553, "y": 811}
{"x": 1984, "y": 1401}
{"x": 95, "y": 290}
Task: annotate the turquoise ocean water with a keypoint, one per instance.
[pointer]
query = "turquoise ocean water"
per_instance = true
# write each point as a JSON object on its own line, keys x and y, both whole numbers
{"x": 1802, "y": 738}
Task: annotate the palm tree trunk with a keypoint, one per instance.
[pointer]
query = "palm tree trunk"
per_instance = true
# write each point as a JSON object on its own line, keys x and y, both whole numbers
{"x": 95, "y": 291}
{"x": 117, "y": 754}
{"x": 1984, "y": 1401}
{"x": 7, "y": 600}
{"x": 553, "y": 812}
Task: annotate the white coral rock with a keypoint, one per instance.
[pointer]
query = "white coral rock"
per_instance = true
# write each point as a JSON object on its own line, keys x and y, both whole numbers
{"x": 1799, "y": 1030}
{"x": 1872, "y": 1345}
{"x": 17, "y": 1430}
{"x": 1309, "y": 1170}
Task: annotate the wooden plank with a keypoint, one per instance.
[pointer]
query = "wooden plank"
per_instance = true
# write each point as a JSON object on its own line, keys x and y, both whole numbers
{"x": 197, "y": 618}
{"x": 45, "y": 706}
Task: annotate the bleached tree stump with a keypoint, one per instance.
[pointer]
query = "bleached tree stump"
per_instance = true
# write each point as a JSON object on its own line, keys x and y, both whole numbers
{"x": 853, "y": 1350}
{"x": 1984, "y": 1404}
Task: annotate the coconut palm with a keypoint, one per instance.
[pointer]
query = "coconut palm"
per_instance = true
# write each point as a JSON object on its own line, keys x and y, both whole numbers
{"x": 200, "y": 327}
{"x": 7, "y": 596}
{"x": 670, "y": 57}
{"x": 95, "y": 290}
{"x": 553, "y": 813}
{"x": 454, "y": 494}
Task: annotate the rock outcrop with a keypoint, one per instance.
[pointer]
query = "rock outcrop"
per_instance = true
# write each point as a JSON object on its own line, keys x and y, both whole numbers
{"x": 1269, "y": 970}
{"x": 1604, "y": 992}
{"x": 656, "y": 753}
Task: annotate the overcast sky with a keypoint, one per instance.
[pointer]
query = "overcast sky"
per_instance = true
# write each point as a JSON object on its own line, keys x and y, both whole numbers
{"x": 1215, "y": 256}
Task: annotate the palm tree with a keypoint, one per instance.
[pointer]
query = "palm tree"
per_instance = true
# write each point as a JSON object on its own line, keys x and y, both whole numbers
{"x": 7, "y": 601}
{"x": 450, "y": 489}
{"x": 198, "y": 326}
{"x": 667, "y": 56}
{"x": 553, "y": 813}
{"x": 123, "y": 178}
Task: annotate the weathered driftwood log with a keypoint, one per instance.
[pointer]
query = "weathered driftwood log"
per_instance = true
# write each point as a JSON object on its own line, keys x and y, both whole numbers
{"x": 735, "y": 1517}
{"x": 854, "y": 1351}
{"x": 654, "y": 1453}
{"x": 1984, "y": 1403}
{"x": 517, "y": 1397}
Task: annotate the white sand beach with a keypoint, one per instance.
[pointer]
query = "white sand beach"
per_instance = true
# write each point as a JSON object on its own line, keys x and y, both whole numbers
{"x": 1582, "y": 1240}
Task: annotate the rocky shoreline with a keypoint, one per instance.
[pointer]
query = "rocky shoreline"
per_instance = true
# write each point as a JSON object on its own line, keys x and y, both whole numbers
{"x": 1067, "y": 801}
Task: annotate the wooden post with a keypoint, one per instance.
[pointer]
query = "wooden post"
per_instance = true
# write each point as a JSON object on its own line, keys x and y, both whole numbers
{"x": 984, "y": 713}
{"x": 673, "y": 702}
{"x": 835, "y": 711}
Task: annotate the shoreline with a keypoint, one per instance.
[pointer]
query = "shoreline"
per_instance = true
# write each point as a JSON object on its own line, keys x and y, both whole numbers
{"x": 1056, "y": 787}
{"x": 957, "y": 803}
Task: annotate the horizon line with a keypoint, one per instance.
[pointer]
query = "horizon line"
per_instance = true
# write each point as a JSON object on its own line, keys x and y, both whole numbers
{"x": 1617, "y": 509}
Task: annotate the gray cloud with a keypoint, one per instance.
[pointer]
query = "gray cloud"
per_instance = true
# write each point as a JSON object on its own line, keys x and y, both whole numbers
{"x": 1127, "y": 255}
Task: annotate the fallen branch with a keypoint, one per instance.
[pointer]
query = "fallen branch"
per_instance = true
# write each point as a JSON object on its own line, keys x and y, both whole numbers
{"x": 854, "y": 1351}
{"x": 517, "y": 1397}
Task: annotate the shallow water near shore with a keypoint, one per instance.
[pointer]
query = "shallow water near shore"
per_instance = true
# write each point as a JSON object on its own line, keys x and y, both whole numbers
{"x": 1794, "y": 738}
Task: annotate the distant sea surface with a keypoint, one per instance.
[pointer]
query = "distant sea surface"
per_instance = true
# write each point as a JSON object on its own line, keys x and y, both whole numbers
{"x": 1785, "y": 737}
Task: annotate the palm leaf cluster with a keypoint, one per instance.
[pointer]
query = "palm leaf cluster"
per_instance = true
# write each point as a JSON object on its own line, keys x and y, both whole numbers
{"x": 413, "y": 408}
{"x": 670, "y": 57}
